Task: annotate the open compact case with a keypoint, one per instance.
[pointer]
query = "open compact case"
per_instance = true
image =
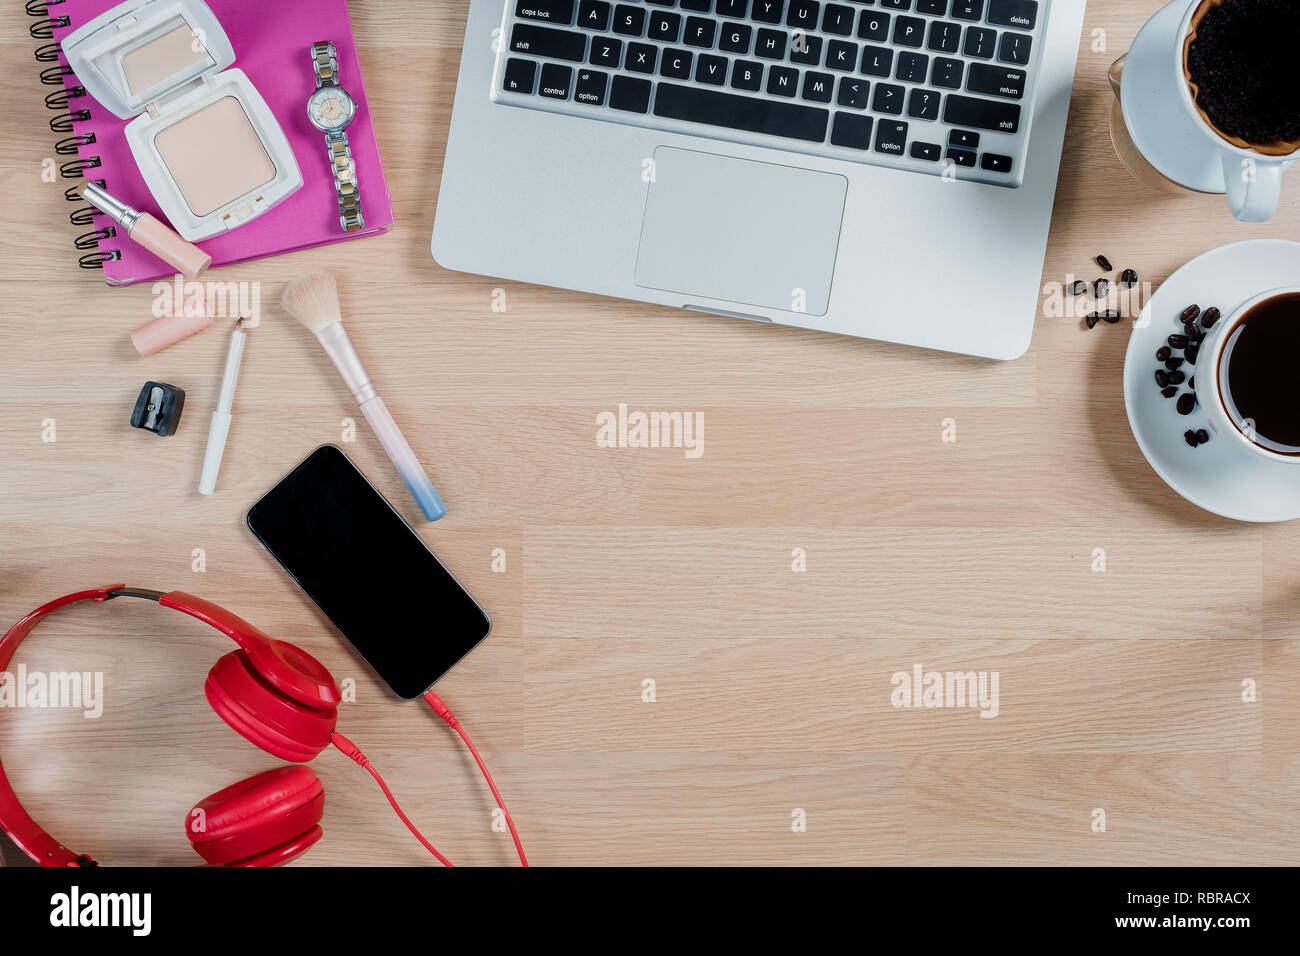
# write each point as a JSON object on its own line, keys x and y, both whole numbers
{"x": 208, "y": 146}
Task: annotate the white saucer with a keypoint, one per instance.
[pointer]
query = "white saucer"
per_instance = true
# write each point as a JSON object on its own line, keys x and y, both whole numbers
{"x": 1220, "y": 476}
{"x": 1167, "y": 138}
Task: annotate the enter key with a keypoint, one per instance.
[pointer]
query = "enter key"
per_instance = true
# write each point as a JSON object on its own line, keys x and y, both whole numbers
{"x": 996, "y": 81}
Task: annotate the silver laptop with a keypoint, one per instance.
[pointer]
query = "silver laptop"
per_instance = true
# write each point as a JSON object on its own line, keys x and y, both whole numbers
{"x": 882, "y": 169}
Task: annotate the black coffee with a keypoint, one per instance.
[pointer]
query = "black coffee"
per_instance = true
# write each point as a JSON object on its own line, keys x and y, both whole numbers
{"x": 1257, "y": 373}
{"x": 1243, "y": 61}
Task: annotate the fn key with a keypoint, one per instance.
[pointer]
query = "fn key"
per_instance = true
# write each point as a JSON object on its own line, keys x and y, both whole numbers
{"x": 630, "y": 94}
{"x": 520, "y": 75}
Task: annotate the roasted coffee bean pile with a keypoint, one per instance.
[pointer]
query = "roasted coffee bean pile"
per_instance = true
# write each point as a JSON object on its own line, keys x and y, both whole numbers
{"x": 1101, "y": 289}
{"x": 1174, "y": 372}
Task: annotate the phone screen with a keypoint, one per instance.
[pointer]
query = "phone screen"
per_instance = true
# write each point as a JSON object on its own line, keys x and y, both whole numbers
{"x": 371, "y": 575}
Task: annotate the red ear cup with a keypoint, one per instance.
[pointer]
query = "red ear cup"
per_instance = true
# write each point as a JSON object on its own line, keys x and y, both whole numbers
{"x": 264, "y": 714}
{"x": 266, "y": 820}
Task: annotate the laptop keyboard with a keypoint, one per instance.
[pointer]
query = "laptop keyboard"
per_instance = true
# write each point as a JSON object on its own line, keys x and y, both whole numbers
{"x": 937, "y": 86}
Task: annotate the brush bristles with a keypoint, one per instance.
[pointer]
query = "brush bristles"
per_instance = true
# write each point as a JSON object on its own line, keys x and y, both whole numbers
{"x": 313, "y": 300}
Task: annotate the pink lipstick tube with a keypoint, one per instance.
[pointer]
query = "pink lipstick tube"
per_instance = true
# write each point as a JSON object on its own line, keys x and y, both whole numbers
{"x": 185, "y": 257}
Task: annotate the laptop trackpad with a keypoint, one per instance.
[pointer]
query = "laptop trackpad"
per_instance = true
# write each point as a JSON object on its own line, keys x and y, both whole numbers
{"x": 740, "y": 230}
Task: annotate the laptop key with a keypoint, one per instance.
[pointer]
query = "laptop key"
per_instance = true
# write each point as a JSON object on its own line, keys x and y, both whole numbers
{"x": 817, "y": 86}
{"x": 711, "y": 69}
{"x": 747, "y": 75}
{"x": 873, "y": 26}
{"x": 923, "y": 104}
{"x": 700, "y": 32}
{"x": 664, "y": 27}
{"x": 888, "y": 99}
{"x": 947, "y": 73}
{"x": 712, "y": 108}
{"x": 629, "y": 21}
{"x": 803, "y": 14}
{"x": 837, "y": 19}
{"x": 842, "y": 55}
{"x": 593, "y": 15}
{"x": 853, "y": 92}
{"x": 944, "y": 37}
{"x": 641, "y": 57}
{"x": 995, "y": 163}
{"x": 962, "y": 157}
{"x": 909, "y": 31}
{"x": 605, "y": 51}
{"x": 935, "y": 8}
{"x": 877, "y": 60}
{"x": 805, "y": 49}
{"x": 912, "y": 67}
{"x": 1021, "y": 14}
{"x": 972, "y": 10}
{"x": 851, "y": 130}
{"x": 770, "y": 44}
{"x": 980, "y": 43}
{"x": 629, "y": 93}
{"x": 676, "y": 64}
{"x": 735, "y": 38}
{"x": 896, "y": 4}
{"x": 927, "y": 151}
{"x": 735, "y": 9}
{"x": 547, "y": 42}
{"x": 997, "y": 80}
{"x": 981, "y": 114}
{"x": 697, "y": 6}
{"x": 767, "y": 11}
{"x": 550, "y": 11}
{"x": 556, "y": 81}
{"x": 519, "y": 76}
{"x": 891, "y": 137}
{"x": 1015, "y": 48}
{"x": 964, "y": 138}
{"x": 782, "y": 80}
{"x": 590, "y": 87}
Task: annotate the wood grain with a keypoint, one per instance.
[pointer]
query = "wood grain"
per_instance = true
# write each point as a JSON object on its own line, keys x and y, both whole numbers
{"x": 1119, "y": 690}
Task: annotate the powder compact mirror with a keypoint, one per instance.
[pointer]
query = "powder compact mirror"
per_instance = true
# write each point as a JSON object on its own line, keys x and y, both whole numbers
{"x": 208, "y": 146}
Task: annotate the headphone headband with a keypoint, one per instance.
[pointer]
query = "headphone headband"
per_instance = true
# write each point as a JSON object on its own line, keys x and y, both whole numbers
{"x": 284, "y": 666}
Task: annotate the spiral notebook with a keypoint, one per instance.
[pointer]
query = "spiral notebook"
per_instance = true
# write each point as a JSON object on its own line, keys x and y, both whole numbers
{"x": 271, "y": 41}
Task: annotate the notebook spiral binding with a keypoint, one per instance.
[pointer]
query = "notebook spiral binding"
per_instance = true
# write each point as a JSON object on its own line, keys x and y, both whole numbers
{"x": 61, "y": 102}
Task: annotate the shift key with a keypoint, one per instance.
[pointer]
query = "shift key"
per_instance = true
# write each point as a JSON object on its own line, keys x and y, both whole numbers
{"x": 547, "y": 43}
{"x": 981, "y": 114}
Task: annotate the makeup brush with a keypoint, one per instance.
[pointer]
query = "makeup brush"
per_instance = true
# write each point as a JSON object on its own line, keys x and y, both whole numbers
{"x": 313, "y": 300}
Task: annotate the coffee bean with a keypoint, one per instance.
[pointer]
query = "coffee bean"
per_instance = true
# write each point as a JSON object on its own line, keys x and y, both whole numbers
{"x": 1192, "y": 354}
{"x": 1173, "y": 364}
{"x": 1078, "y": 288}
{"x": 1129, "y": 278}
{"x": 1189, "y": 314}
{"x": 1101, "y": 288}
{"x": 1186, "y": 402}
{"x": 1163, "y": 353}
{"x": 1178, "y": 341}
{"x": 1202, "y": 435}
{"x": 1162, "y": 377}
{"x": 1111, "y": 315}
{"x": 1194, "y": 333}
{"x": 1211, "y": 316}
{"x": 1177, "y": 378}
{"x": 1092, "y": 320}
{"x": 1105, "y": 264}
{"x": 1191, "y": 382}
{"x": 1189, "y": 436}
{"x": 1169, "y": 392}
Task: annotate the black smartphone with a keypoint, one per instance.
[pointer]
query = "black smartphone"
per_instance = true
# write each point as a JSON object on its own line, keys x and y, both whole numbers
{"x": 371, "y": 575}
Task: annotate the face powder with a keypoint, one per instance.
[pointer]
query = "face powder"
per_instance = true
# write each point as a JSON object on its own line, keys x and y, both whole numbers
{"x": 215, "y": 156}
{"x": 163, "y": 58}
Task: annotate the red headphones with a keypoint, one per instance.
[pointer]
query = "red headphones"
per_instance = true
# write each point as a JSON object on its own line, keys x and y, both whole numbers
{"x": 273, "y": 694}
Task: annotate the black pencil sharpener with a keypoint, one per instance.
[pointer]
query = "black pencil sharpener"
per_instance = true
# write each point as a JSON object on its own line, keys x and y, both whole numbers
{"x": 158, "y": 409}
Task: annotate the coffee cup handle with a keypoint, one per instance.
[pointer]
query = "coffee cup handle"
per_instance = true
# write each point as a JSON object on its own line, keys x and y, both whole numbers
{"x": 1254, "y": 188}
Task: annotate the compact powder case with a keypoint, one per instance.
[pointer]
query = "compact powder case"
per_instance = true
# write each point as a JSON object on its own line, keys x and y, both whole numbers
{"x": 208, "y": 146}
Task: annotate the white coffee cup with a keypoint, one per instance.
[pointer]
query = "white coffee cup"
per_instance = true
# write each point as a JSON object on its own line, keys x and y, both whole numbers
{"x": 1162, "y": 120}
{"x": 1210, "y": 376}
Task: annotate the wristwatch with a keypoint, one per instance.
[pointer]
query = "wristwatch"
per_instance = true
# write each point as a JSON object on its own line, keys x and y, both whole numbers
{"x": 331, "y": 108}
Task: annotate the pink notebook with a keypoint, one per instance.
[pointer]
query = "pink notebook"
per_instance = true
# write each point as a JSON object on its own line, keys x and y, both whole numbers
{"x": 271, "y": 41}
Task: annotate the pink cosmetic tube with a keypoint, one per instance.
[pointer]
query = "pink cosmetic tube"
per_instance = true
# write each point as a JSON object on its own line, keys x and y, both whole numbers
{"x": 185, "y": 257}
{"x": 162, "y": 333}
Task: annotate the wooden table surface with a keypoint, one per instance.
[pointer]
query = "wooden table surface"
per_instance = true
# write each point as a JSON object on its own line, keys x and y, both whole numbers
{"x": 1119, "y": 691}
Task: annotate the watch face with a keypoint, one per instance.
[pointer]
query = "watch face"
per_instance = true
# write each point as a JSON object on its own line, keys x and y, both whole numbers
{"x": 331, "y": 108}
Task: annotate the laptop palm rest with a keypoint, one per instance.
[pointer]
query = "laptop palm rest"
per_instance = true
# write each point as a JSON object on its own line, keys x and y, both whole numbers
{"x": 741, "y": 231}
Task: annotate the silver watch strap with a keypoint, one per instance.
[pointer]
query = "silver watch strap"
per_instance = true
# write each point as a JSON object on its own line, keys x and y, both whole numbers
{"x": 326, "y": 64}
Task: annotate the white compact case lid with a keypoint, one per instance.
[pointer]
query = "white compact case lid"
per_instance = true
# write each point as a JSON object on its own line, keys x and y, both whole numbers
{"x": 101, "y": 52}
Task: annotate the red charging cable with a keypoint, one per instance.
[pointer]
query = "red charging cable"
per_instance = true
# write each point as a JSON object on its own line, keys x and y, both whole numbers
{"x": 352, "y": 751}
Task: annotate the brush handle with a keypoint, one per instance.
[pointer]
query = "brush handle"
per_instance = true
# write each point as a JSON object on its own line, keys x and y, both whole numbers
{"x": 337, "y": 345}
{"x": 399, "y": 452}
